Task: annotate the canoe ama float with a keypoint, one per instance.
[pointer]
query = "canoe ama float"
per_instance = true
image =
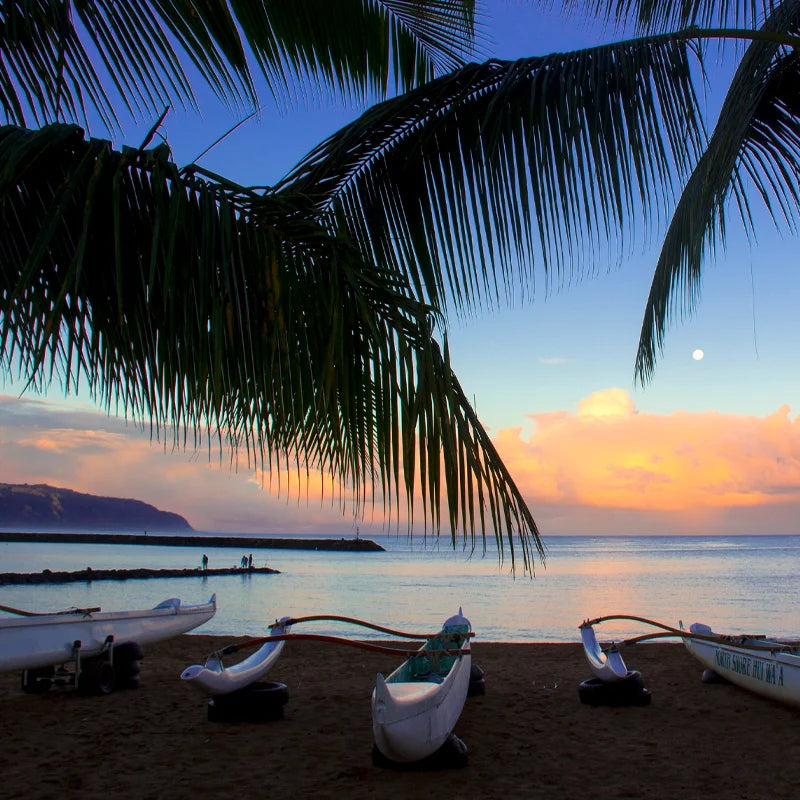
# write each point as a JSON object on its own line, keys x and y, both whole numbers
{"x": 43, "y": 640}
{"x": 416, "y": 707}
{"x": 606, "y": 665}
{"x": 214, "y": 678}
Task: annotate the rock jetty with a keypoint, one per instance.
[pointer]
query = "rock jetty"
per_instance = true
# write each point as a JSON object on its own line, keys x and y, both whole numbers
{"x": 248, "y": 543}
{"x": 90, "y": 575}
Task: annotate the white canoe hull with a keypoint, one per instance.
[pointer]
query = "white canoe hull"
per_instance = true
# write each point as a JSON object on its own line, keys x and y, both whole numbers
{"x": 45, "y": 640}
{"x": 214, "y": 678}
{"x": 411, "y": 720}
{"x": 771, "y": 674}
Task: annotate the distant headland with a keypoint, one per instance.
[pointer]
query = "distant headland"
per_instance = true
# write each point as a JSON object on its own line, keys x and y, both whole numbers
{"x": 44, "y": 508}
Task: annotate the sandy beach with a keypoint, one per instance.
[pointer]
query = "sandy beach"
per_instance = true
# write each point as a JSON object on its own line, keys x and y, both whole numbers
{"x": 528, "y": 736}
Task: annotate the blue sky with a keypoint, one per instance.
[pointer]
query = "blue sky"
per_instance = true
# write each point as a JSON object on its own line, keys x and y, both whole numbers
{"x": 561, "y": 354}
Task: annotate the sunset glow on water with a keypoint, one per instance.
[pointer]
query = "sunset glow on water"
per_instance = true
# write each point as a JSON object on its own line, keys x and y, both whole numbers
{"x": 734, "y": 584}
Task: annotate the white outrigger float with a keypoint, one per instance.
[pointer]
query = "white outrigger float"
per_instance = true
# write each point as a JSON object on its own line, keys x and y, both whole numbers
{"x": 606, "y": 665}
{"x": 214, "y": 678}
{"x": 415, "y": 708}
{"x": 89, "y": 638}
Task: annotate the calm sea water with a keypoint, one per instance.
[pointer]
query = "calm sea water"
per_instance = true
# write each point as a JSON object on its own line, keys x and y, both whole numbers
{"x": 735, "y": 584}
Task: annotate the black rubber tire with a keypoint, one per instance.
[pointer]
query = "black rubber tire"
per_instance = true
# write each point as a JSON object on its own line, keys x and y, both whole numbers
{"x": 265, "y": 693}
{"x": 630, "y": 691}
{"x": 97, "y": 676}
{"x": 37, "y": 681}
{"x": 259, "y": 702}
{"x": 477, "y": 683}
{"x": 127, "y": 658}
{"x": 128, "y": 652}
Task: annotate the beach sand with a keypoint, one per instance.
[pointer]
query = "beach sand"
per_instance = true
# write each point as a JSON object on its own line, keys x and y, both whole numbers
{"x": 528, "y": 736}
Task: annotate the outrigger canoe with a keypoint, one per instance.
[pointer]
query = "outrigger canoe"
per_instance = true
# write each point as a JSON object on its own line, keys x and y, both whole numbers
{"x": 31, "y": 641}
{"x": 415, "y": 708}
{"x": 214, "y": 678}
{"x": 768, "y": 667}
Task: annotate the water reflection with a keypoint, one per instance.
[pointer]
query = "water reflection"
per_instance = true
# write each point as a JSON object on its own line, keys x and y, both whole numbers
{"x": 735, "y": 584}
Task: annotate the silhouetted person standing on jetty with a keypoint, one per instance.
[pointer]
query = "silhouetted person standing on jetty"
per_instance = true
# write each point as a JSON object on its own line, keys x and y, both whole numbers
{"x": 250, "y": 562}
{"x": 205, "y": 561}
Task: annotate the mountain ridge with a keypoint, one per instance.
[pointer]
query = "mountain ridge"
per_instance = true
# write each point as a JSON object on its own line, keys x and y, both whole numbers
{"x": 43, "y": 507}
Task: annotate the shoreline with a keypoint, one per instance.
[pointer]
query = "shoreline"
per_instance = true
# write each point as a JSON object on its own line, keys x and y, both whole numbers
{"x": 528, "y": 736}
{"x": 182, "y": 540}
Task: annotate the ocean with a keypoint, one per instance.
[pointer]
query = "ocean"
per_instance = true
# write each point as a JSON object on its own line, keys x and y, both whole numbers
{"x": 735, "y": 584}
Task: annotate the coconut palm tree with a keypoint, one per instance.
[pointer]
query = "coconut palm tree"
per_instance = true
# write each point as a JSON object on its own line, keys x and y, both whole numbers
{"x": 216, "y": 310}
{"x": 306, "y": 321}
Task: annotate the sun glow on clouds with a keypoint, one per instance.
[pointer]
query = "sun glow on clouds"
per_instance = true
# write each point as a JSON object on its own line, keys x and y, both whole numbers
{"x": 608, "y": 455}
{"x": 603, "y": 459}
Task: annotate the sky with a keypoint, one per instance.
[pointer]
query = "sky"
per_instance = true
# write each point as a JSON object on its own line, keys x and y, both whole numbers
{"x": 710, "y": 446}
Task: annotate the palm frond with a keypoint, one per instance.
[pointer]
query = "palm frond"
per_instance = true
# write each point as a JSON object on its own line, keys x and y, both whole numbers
{"x": 662, "y": 15}
{"x": 757, "y": 137}
{"x": 199, "y": 306}
{"x": 468, "y": 180}
{"x": 48, "y": 50}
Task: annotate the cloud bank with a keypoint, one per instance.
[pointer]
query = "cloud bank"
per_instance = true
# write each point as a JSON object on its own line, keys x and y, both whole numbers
{"x": 603, "y": 468}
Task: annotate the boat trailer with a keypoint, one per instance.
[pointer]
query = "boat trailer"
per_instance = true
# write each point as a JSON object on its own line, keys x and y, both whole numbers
{"x": 114, "y": 667}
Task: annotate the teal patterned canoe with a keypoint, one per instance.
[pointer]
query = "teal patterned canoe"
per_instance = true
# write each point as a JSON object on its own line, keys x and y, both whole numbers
{"x": 415, "y": 708}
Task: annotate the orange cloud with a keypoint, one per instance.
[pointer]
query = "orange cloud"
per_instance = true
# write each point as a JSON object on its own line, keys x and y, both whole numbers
{"x": 609, "y": 455}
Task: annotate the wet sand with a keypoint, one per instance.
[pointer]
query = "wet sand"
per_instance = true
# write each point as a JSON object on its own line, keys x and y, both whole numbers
{"x": 528, "y": 736}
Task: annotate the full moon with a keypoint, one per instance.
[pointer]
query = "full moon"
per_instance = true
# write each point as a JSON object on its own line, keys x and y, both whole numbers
{"x": 698, "y": 355}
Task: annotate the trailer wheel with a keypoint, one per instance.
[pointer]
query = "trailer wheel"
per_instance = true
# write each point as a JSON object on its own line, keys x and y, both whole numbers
{"x": 97, "y": 676}
{"x": 37, "y": 681}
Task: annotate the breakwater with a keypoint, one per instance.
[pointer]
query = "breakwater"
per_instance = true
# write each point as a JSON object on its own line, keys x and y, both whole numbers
{"x": 241, "y": 542}
{"x": 89, "y": 575}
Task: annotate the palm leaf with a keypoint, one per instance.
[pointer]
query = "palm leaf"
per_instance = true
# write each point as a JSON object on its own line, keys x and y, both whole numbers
{"x": 664, "y": 15}
{"x": 199, "y": 306}
{"x": 757, "y": 139}
{"x": 48, "y": 50}
{"x": 469, "y": 180}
